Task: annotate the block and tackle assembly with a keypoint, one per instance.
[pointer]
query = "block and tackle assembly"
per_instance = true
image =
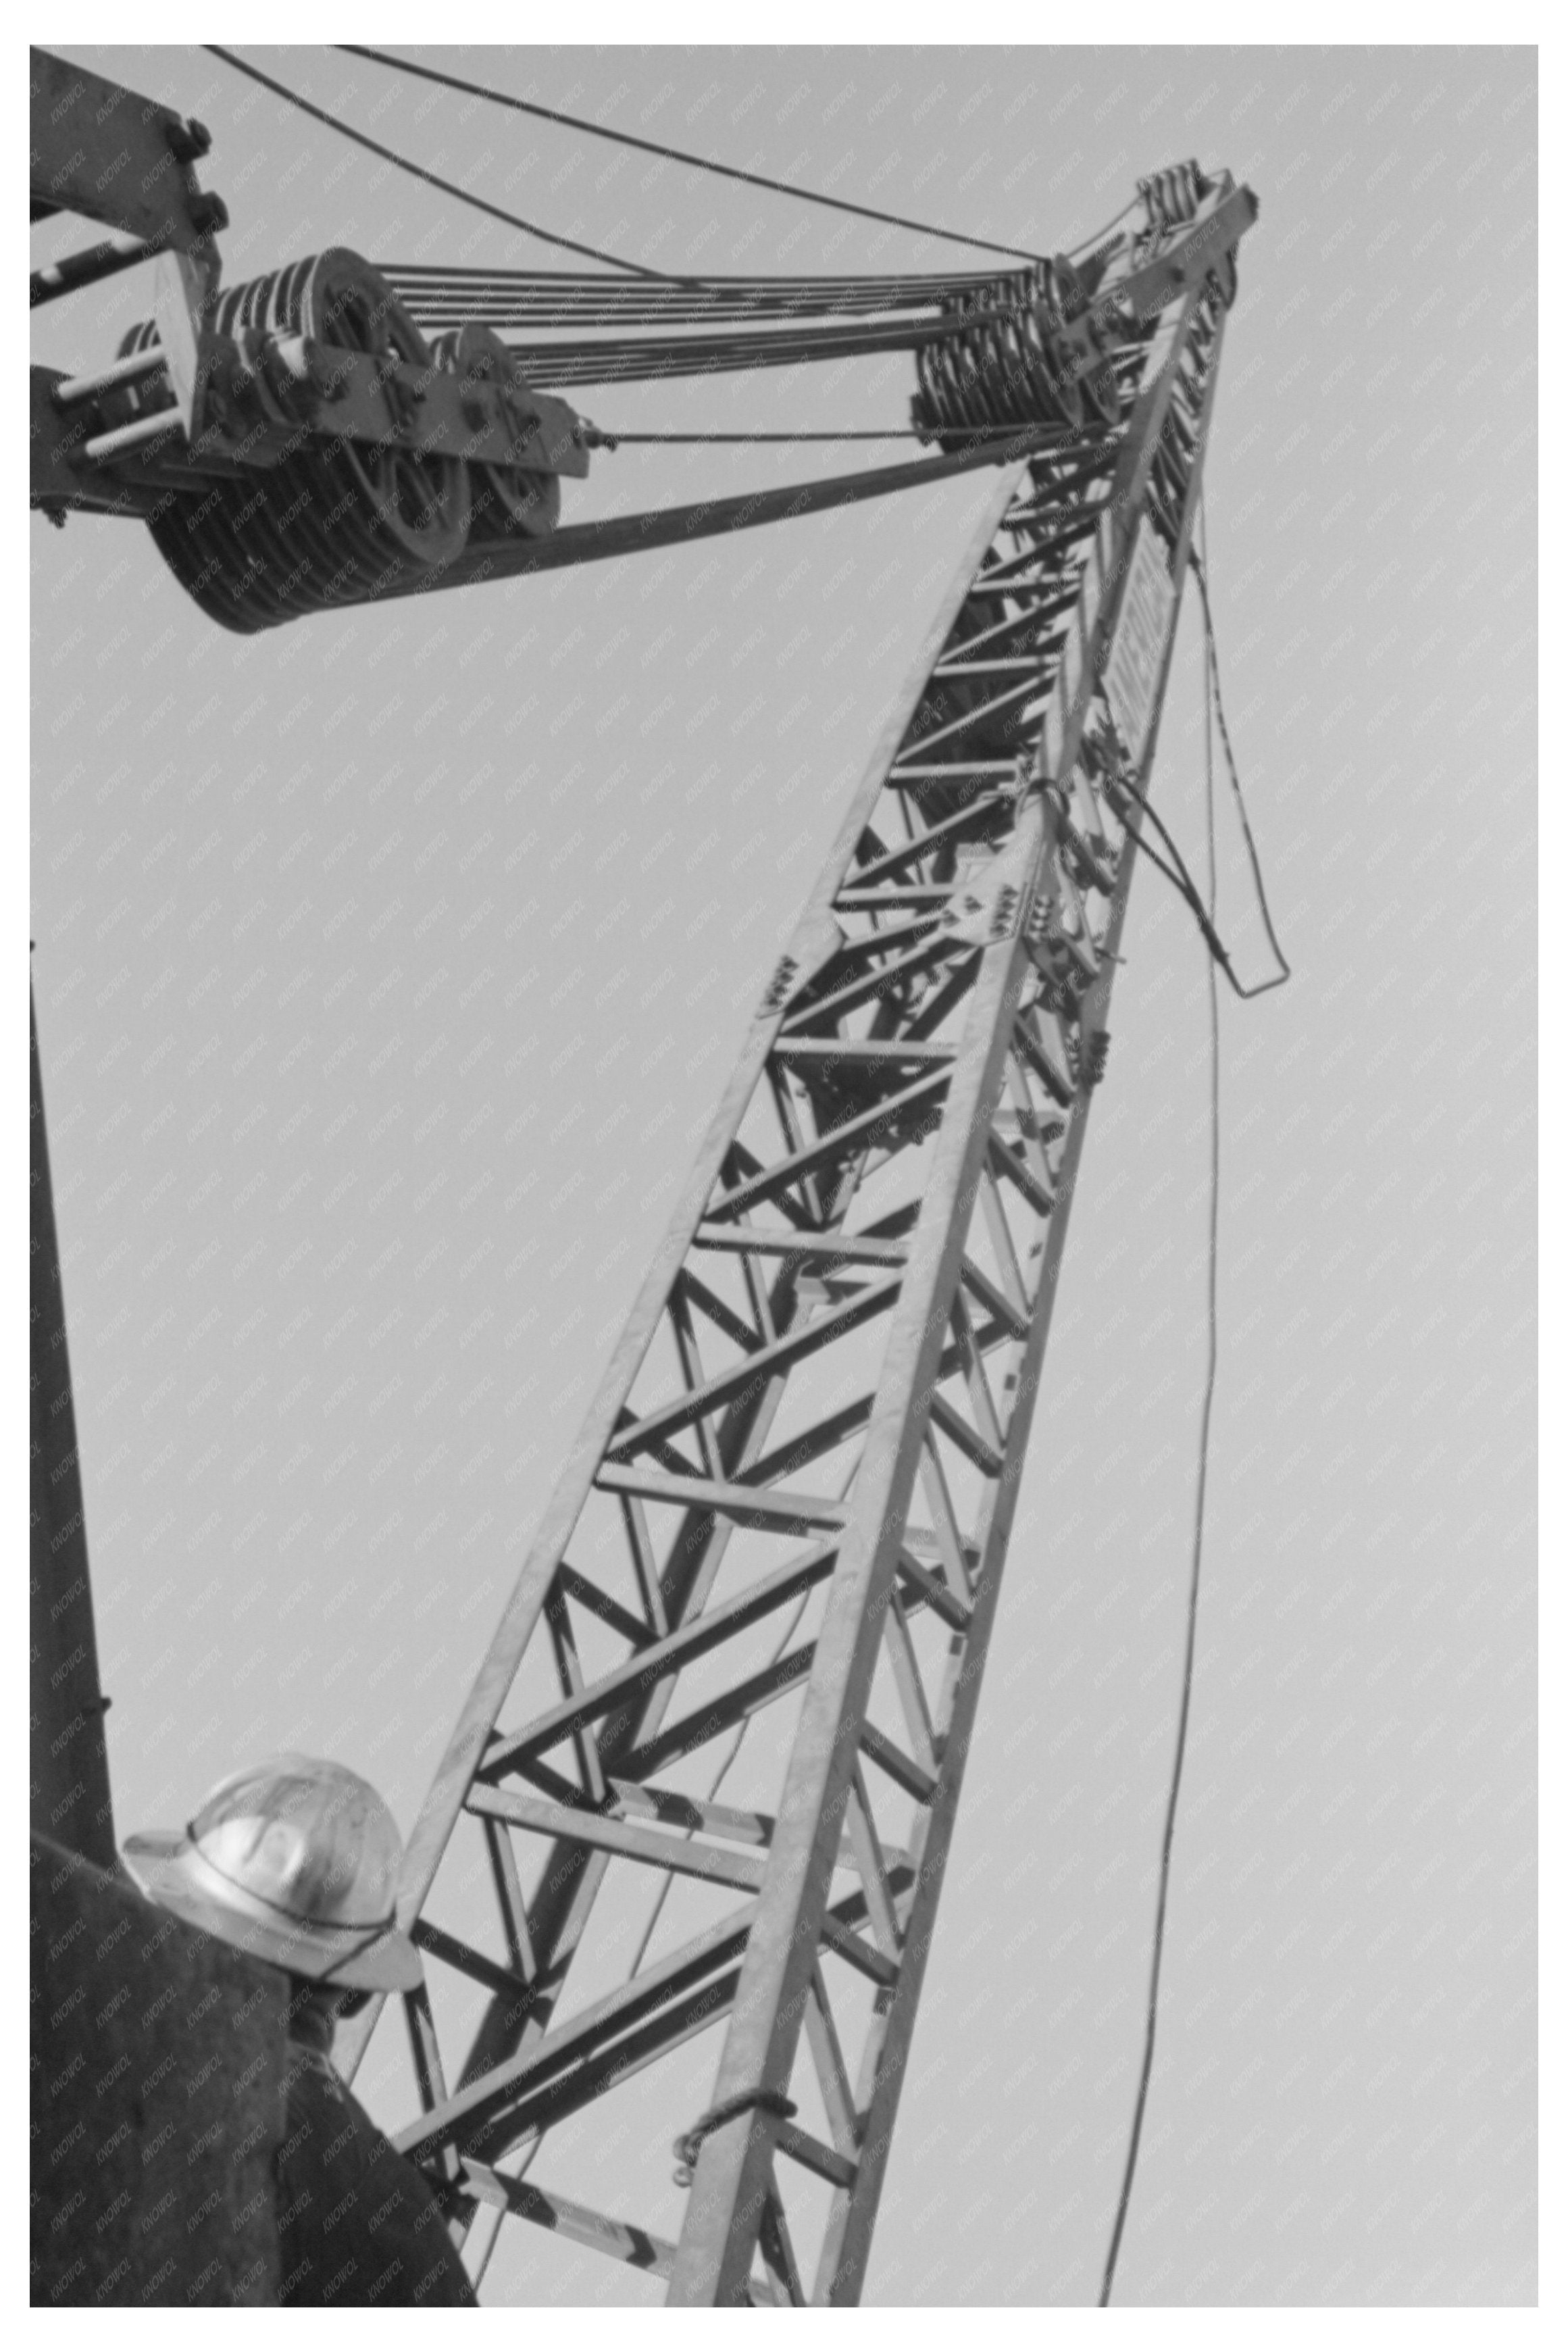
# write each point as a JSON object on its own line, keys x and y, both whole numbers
{"x": 683, "y": 1855}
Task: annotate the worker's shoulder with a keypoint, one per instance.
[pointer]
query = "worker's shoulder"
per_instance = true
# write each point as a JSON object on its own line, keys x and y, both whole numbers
{"x": 351, "y": 2206}
{"x": 327, "y": 2135}
{"x": 317, "y": 2095}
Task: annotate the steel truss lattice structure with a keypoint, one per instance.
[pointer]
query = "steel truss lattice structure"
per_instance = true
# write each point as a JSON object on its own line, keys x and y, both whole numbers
{"x": 772, "y": 1565}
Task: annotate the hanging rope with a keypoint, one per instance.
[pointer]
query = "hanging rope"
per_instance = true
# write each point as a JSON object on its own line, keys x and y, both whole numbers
{"x": 681, "y": 156}
{"x": 1200, "y": 573}
{"x": 1176, "y": 874}
{"x": 1210, "y": 706}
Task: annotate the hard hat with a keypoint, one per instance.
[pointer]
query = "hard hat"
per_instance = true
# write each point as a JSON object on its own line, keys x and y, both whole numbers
{"x": 295, "y": 1862}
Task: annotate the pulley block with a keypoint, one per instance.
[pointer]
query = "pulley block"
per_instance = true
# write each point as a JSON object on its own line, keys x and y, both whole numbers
{"x": 1030, "y": 352}
{"x": 304, "y": 505}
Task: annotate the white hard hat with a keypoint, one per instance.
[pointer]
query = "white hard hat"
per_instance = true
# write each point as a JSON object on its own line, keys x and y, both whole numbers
{"x": 295, "y": 1862}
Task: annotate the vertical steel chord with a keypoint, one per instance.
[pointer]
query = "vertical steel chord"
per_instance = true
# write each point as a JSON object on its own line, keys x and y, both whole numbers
{"x": 731, "y": 2185}
{"x": 847, "y": 2245}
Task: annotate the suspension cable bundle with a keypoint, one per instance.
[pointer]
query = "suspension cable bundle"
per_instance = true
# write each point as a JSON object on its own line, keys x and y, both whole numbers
{"x": 335, "y": 517}
{"x": 287, "y": 504}
{"x": 988, "y": 350}
{"x": 546, "y": 297}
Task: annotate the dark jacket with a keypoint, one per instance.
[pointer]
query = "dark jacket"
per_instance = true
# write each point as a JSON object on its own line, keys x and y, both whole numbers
{"x": 356, "y": 2222}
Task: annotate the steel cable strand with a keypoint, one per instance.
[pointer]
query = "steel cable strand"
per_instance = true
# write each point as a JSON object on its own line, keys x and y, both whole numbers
{"x": 223, "y": 549}
{"x": 987, "y": 403}
{"x": 536, "y": 299}
{"x": 676, "y": 154}
{"x": 244, "y": 550}
{"x": 207, "y": 573}
{"x": 943, "y": 359}
{"x": 1126, "y": 798}
{"x": 1199, "y": 568}
{"x": 950, "y": 373}
{"x": 1020, "y": 360}
{"x": 718, "y": 1780}
{"x": 285, "y": 576}
{"x": 972, "y": 332}
{"x": 419, "y": 172}
{"x": 1027, "y": 349}
{"x": 934, "y": 370}
{"x": 1055, "y": 388}
{"x": 436, "y": 308}
{"x": 1008, "y": 376}
{"x": 1209, "y": 1378}
{"x": 607, "y": 437}
{"x": 1035, "y": 357}
{"x": 985, "y": 345}
{"x": 977, "y": 398}
{"x": 1049, "y": 389}
{"x": 295, "y": 508}
{"x": 922, "y": 407}
{"x": 606, "y": 358}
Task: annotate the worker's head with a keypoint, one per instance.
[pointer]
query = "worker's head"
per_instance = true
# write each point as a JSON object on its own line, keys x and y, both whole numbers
{"x": 296, "y": 1862}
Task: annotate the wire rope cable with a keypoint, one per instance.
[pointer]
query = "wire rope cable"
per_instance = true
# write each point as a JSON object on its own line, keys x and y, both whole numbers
{"x": 557, "y": 298}
{"x": 718, "y": 1782}
{"x": 1087, "y": 244}
{"x": 1200, "y": 572}
{"x": 1181, "y": 880}
{"x": 431, "y": 179}
{"x": 1177, "y": 873}
{"x": 681, "y": 155}
{"x": 1183, "y": 1717}
{"x": 606, "y": 437}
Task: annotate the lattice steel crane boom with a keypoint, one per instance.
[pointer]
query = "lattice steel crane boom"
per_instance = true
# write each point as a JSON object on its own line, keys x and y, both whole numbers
{"x": 785, "y": 1520}
{"x": 771, "y": 1567}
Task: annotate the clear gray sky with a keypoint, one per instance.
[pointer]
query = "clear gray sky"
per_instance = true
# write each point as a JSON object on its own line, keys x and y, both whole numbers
{"x": 388, "y": 967}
